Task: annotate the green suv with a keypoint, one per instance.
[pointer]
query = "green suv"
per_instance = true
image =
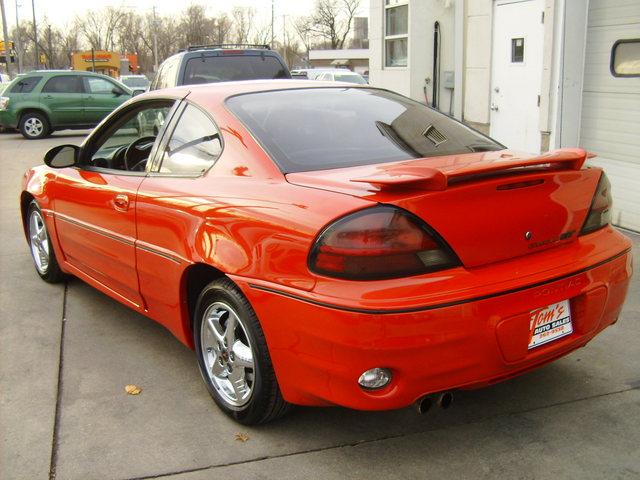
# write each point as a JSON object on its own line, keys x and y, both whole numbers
{"x": 46, "y": 100}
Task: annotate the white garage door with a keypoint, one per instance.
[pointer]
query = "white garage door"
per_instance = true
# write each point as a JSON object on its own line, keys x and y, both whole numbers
{"x": 610, "y": 125}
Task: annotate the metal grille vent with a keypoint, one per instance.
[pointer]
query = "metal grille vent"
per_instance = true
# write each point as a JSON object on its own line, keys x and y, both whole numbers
{"x": 435, "y": 135}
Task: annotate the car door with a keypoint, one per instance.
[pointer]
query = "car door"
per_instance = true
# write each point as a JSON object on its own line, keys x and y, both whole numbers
{"x": 165, "y": 219}
{"x": 100, "y": 99}
{"x": 95, "y": 205}
{"x": 62, "y": 95}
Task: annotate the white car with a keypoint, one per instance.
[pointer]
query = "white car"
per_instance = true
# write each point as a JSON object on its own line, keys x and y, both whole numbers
{"x": 137, "y": 83}
{"x": 342, "y": 76}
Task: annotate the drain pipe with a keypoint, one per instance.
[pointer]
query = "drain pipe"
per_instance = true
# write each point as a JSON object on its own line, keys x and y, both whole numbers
{"x": 435, "y": 97}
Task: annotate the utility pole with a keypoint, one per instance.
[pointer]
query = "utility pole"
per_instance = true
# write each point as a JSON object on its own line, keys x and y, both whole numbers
{"x": 35, "y": 34}
{"x": 284, "y": 40}
{"x": 272, "y": 16}
{"x": 155, "y": 41}
{"x": 17, "y": 40}
{"x": 7, "y": 43}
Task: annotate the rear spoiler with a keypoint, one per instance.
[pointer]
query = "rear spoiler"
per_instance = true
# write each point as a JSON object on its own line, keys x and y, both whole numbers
{"x": 430, "y": 178}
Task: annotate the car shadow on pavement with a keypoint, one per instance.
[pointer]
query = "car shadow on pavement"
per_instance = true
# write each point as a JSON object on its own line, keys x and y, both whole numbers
{"x": 171, "y": 424}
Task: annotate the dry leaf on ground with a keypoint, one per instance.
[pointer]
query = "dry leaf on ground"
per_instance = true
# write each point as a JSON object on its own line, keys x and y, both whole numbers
{"x": 242, "y": 437}
{"x": 132, "y": 389}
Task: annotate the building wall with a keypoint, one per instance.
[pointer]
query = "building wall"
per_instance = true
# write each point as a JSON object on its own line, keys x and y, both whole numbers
{"x": 477, "y": 67}
{"x": 410, "y": 81}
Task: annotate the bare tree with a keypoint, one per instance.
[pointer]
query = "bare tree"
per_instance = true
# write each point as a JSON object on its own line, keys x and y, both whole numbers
{"x": 243, "y": 19}
{"x": 100, "y": 29}
{"x": 332, "y": 20}
{"x": 195, "y": 26}
{"x": 261, "y": 34}
{"x": 303, "y": 27}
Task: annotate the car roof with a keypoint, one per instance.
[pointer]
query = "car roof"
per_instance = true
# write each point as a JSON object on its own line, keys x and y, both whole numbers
{"x": 213, "y": 94}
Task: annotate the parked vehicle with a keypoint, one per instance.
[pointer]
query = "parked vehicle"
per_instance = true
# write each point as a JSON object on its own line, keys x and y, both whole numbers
{"x": 349, "y": 77}
{"x": 314, "y": 73}
{"x": 46, "y": 100}
{"x": 220, "y": 63}
{"x": 137, "y": 83}
{"x": 4, "y": 81}
{"x": 321, "y": 245}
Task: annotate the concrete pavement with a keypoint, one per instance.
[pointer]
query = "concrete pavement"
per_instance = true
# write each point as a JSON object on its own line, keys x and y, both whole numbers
{"x": 66, "y": 353}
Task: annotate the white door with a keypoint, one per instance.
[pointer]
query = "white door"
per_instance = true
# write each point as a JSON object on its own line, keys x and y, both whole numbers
{"x": 610, "y": 120}
{"x": 516, "y": 72}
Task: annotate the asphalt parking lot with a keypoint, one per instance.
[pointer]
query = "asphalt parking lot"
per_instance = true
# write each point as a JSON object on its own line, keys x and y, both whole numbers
{"x": 67, "y": 351}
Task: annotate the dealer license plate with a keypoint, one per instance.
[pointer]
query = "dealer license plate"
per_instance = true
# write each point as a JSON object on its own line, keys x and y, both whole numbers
{"x": 549, "y": 323}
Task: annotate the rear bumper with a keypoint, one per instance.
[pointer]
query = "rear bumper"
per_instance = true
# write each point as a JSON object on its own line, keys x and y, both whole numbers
{"x": 319, "y": 351}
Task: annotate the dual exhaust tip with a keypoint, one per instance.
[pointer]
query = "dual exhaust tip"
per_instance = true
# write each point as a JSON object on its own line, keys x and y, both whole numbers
{"x": 443, "y": 400}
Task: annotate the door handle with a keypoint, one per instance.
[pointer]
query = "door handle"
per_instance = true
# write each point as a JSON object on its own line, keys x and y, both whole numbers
{"x": 48, "y": 97}
{"x": 121, "y": 202}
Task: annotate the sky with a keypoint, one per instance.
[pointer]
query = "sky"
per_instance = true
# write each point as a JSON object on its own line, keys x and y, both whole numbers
{"x": 59, "y": 12}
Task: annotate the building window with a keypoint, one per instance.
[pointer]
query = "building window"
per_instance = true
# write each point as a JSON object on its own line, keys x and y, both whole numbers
{"x": 517, "y": 50}
{"x": 625, "y": 58}
{"x": 396, "y": 36}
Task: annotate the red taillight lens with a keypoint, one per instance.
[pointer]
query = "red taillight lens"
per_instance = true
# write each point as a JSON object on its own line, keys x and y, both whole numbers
{"x": 379, "y": 242}
{"x": 600, "y": 211}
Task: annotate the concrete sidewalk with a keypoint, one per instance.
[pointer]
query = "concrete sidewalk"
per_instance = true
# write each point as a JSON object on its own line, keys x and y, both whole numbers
{"x": 66, "y": 353}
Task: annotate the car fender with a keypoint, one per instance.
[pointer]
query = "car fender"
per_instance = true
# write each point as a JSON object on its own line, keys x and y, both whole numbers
{"x": 31, "y": 105}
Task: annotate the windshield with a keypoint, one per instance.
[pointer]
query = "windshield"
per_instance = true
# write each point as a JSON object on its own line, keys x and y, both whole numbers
{"x": 341, "y": 77}
{"x": 233, "y": 67}
{"x": 322, "y": 128}
{"x": 135, "y": 81}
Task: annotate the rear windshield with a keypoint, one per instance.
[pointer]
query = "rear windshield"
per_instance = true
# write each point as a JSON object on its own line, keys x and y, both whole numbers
{"x": 135, "y": 81}
{"x": 232, "y": 67}
{"x": 323, "y": 128}
{"x": 341, "y": 77}
{"x": 25, "y": 85}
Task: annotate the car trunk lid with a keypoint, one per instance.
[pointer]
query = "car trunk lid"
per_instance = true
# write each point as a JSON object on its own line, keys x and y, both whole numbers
{"x": 488, "y": 206}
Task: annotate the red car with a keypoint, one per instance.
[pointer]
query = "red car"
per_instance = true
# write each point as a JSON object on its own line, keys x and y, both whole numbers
{"x": 331, "y": 244}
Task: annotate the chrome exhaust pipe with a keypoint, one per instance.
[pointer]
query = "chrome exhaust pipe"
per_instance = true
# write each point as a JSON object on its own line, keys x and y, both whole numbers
{"x": 423, "y": 405}
{"x": 445, "y": 400}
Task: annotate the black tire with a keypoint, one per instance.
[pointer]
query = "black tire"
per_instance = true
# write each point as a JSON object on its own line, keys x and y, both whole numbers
{"x": 265, "y": 402}
{"x": 34, "y": 125}
{"x": 50, "y": 271}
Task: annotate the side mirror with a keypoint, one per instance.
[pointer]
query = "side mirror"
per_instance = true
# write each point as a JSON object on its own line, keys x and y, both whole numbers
{"x": 116, "y": 91}
{"x": 62, "y": 156}
{"x": 137, "y": 92}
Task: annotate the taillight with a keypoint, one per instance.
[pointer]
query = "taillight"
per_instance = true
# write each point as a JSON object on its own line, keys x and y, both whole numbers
{"x": 600, "y": 211}
{"x": 379, "y": 242}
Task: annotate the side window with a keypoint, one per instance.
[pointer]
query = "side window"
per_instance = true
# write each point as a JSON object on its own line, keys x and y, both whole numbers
{"x": 98, "y": 86}
{"x": 171, "y": 73}
{"x": 25, "y": 85}
{"x": 194, "y": 145}
{"x": 63, "y": 84}
{"x": 157, "y": 80}
{"x": 128, "y": 141}
{"x": 625, "y": 58}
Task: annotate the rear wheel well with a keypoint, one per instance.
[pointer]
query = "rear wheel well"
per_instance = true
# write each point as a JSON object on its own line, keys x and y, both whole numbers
{"x": 33, "y": 110}
{"x": 25, "y": 200}
{"x": 196, "y": 277}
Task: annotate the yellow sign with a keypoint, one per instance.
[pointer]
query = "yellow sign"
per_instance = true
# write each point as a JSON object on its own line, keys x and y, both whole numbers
{"x": 2, "y": 46}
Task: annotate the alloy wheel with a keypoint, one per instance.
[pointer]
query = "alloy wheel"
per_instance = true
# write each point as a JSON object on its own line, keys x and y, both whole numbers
{"x": 228, "y": 355}
{"x": 39, "y": 242}
{"x": 33, "y": 126}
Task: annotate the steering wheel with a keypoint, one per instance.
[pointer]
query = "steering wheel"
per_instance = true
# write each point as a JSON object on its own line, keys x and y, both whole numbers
{"x": 137, "y": 153}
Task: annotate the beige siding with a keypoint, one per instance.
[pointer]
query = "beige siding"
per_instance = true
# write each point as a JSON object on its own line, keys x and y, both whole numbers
{"x": 610, "y": 123}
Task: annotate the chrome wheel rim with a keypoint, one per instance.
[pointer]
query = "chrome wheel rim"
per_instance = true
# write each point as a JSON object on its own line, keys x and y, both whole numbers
{"x": 227, "y": 354}
{"x": 39, "y": 242}
{"x": 33, "y": 126}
